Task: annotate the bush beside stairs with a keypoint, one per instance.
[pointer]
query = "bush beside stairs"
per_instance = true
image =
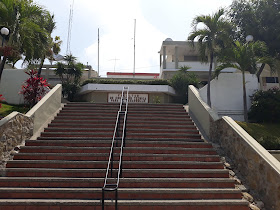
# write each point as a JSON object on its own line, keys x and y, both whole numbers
{"x": 166, "y": 164}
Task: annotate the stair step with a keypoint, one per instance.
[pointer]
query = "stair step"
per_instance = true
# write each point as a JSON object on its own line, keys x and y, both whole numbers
{"x": 88, "y": 173}
{"x": 124, "y": 182}
{"x": 146, "y": 150}
{"x": 130, "y": 110}
{"x": 157, "y": 106}
{"x": 129, "y": 126}
{"x": 126, "y": 157}
{"x": 113, "y": 121}
{"x": 103, "y": 164}
{"x": 105, "y": 143}
{"x": 136, "y": 114}
{"x": 128, "y": 135}
{"x": 123, "y": 193}
{"x": 128, "y": 130}
{"x": 127, "y": 139}
{"x": 209, "y": 204}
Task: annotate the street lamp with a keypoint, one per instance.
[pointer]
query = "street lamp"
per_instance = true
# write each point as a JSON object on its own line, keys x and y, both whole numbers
{"x": 4, "y": 32}
{"x": 249, "y": 38}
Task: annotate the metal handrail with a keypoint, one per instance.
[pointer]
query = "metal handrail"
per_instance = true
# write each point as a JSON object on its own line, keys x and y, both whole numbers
{"x": 114, "y": 186}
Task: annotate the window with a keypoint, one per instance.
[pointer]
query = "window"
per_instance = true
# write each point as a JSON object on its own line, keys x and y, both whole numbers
{"x": 271, "y": 79}
{"x": 191, "y": 58}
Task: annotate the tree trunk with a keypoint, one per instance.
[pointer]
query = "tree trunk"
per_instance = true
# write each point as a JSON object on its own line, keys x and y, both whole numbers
{"x": 244, "y": 98}
{"x": 209, "y": 80}
{"x": 41, "y": 66}
{"x": 260, "y": 71}
{"x": 2, "y": 64}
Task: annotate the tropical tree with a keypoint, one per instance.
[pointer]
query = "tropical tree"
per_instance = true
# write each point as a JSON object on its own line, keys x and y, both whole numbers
{"x": 55, "y": 49}
{"x": 25, "y": 21}
{"x": 53, "y": 46}
{"x": 244, "y": 57}
{"x": 70, "y": 73}
{"x": 260, "y": 18}
{"x": 181, "y": 81}
{"x": 212, "y": 37}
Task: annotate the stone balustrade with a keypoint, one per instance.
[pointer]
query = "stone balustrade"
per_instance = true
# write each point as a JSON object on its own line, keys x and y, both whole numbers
{"x": 13, "y": 131}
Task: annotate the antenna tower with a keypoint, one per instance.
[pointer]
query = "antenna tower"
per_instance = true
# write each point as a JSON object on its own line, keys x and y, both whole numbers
{"x": 68, "y": 50}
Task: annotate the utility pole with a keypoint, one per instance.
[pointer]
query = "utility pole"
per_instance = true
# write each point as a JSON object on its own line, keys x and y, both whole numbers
{"x": 134, "y": 48}
{"x": 98, "y": 56}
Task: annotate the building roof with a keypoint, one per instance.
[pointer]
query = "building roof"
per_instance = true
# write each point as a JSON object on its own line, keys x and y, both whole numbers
{"x": 131, "y": 74}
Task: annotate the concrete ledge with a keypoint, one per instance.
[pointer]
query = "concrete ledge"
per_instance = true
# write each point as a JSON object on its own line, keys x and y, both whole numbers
{"x": 8, "y": 118}
{"x": 46, "y": 107}
{"x": 200, "y": 112}
{"x": 132, "y": 88}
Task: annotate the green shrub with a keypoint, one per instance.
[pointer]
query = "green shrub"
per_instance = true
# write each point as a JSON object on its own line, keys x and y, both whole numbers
{"x": 270, "y": 142}
{"x": 180, "y": 82}
{"x": 265, "y": 106}
{"x": 69, "y": 91}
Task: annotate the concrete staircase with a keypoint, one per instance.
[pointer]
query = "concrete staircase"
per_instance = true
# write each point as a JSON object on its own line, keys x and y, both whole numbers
{"x": 166, "y": 164}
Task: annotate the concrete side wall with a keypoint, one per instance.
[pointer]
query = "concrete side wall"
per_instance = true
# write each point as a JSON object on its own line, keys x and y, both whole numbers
{"x": 227, "y": 94}
{"x": 10, "y": 85}
{"x": 259, "y": 168}
{"x": 200, "y": 111}
{"x": 14, "y": 129}
{"x": 46, "y": 107}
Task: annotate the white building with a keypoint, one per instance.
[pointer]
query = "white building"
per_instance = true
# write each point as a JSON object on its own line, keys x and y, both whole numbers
{"x": 127, "y": 75}
{"x": 175, "y": 54}
{"x": 226, "y": 91}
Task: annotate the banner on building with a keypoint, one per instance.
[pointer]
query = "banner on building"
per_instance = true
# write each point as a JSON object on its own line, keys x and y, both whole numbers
{"x": 132, "y": 98}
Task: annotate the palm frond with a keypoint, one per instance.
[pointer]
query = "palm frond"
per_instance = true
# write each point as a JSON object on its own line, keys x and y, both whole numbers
{"x": 223, "y": 66}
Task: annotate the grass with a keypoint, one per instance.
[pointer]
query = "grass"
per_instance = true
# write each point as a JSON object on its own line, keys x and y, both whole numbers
{"x": 267, "y": 134}
{"x": 258, "y": 130}
{"x": 7, "y": 109}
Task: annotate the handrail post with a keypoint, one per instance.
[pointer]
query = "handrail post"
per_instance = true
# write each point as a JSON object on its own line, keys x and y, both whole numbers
{"x": 103, "y": 199}
{"x": 116, "y": 201}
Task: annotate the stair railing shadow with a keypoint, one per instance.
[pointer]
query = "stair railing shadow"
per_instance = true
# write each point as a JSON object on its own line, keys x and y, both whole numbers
{"x": 114, "y": 167}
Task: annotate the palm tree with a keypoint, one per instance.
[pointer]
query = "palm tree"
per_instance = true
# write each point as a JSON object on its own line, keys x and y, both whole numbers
{"x": 70, "y": 72}
{"x": 244, "y": 57}
{"x": 53, "y": 46}
{"x": 24, "y": 18}
{"x": 211, "y": 38}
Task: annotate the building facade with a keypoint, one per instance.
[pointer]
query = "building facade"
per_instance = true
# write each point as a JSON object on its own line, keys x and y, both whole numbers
{"x": 176, "y": 54}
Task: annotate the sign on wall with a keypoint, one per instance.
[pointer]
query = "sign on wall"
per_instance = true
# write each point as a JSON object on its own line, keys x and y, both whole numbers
{"x": 132, "y": 98}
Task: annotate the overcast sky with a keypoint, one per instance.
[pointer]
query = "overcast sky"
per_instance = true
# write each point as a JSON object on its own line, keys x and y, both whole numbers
{"x": 156, "y": 20}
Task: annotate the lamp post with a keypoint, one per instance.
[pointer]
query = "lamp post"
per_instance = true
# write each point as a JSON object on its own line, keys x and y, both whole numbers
{"x": 249, "y": 38}
{"x": 4, "y": 32}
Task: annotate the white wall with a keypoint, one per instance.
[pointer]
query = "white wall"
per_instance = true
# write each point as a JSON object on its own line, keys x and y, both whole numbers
{"x": 227, "y": 94}
{"x": 10, "y": 85}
